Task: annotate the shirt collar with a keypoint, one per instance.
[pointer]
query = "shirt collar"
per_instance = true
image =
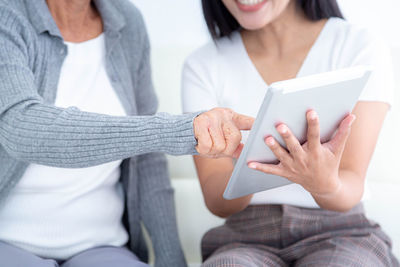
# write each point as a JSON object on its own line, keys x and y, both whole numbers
{"x": 113, "y": 20}
{"x": 40, "y": 16}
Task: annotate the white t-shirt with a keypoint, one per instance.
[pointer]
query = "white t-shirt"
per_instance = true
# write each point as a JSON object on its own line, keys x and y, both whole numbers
{"x": 223, "y": 75}
{"x": 57, "y": 212}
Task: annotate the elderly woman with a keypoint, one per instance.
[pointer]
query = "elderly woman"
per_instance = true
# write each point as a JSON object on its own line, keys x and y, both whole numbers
{"x": 64, "y": 183}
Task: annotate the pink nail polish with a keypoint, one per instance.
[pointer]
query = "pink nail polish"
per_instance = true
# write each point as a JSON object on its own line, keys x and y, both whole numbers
{"x": 270, "y": 141}
{"x": 253, "y": 166}
{"x": 282, "y": 129}
{"x": 313, "y": 115}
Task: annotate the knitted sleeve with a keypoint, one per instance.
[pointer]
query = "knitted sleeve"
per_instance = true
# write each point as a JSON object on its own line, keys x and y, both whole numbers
{"x": 36, "y": 132}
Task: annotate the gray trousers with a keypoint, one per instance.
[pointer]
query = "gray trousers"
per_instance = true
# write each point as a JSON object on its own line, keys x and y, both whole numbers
{"x": 11, "y": 256}
{"x": 283, "y": 236}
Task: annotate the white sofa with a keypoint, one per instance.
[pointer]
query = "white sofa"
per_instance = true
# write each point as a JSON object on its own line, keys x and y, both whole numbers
{"x": 193, "y": 217}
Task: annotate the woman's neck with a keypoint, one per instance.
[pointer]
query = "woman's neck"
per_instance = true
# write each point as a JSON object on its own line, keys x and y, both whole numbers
{"x": 290, "y": 30}
{"x": 78, "y": 20}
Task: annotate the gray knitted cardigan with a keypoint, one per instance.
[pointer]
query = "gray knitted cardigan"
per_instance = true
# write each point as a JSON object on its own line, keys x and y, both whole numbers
{"x": 33, "y": 130}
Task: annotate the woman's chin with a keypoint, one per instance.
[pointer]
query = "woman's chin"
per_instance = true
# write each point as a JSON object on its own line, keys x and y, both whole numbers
{"x": 252, "y": 25}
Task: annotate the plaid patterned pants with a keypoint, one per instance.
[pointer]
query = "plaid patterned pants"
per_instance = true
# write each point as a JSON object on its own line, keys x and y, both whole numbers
{"x": 283, "y": 235}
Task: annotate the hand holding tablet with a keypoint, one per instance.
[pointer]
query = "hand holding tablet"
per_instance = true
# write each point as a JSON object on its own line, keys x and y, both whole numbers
{"x": 309, "y": 164}
{"x": 331, "y": 95}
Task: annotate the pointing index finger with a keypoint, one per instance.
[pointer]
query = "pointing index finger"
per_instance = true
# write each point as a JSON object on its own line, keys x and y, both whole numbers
{"x": 243, "y": 122}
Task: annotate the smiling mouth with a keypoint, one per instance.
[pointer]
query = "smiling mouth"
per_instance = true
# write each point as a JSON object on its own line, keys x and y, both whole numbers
{"x": 250, "y": 5}
{"x": 250, "y": 2}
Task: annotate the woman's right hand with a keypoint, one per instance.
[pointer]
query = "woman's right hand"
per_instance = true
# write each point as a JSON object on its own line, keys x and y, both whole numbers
{"x": 218, "y": 132}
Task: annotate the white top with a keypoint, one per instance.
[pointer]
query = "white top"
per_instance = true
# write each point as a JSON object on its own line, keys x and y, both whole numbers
{"x": 56, "y": 212}
{"x": 223, "y": 75}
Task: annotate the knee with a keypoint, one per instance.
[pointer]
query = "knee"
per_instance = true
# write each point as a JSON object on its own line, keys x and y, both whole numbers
{"x": 227, "y": 262}
{"x": 105, "y": 256}
{"x": 11, "y": 256}
{"x": 227, "y": 259}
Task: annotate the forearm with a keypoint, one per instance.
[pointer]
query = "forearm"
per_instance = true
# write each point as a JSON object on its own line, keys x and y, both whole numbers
{"x": 44, "y": 134}
{"x": 348, "y": 194}
{"x": 213, "y": 189}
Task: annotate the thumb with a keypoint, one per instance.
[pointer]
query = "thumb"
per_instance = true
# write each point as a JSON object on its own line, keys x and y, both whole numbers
{"x": 243, "y": 122}
{"x": 338, "y": 142}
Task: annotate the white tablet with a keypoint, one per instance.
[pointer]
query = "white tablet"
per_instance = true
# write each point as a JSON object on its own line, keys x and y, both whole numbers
{"x": 332, "y": 95}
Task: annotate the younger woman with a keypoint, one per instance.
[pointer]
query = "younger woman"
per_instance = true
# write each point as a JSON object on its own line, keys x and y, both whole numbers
{"x": 317, "y": 220}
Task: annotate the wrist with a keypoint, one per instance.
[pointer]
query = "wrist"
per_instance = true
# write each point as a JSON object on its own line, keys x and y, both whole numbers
{"x": 332, "y": 193}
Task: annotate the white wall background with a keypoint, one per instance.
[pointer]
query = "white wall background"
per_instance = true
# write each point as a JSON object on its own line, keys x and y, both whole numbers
{"x": 382, "y": 16}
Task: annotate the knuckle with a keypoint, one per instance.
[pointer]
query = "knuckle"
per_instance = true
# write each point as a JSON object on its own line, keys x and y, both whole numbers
{"x": 219, "y": 111}
{"x": 214, "y": 149}
{"x": 203, "y": 119}
{"x": 228, "y": 113}
{"x": 315, "y": 154}
{"x": 213, "y": 110}
{"x": 264, "y": 168}
{"x": 313, "y": 135}
{"x": 295, "y": 149}
{"x": 343, "y": 132}
{"x": 232, "y": 134}
{"x": 208, "y": 147}
{"x": 275, "y": 147}
{"x": 220, "y": 147}
{"x": 213, "y": 116}
{"x": 228, "y": 131}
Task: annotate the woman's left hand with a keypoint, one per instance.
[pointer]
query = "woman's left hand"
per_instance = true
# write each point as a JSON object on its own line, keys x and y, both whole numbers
{"x": 313, "y": 165}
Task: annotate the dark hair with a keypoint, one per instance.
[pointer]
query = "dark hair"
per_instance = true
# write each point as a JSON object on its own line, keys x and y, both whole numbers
{"x": 221, "y": 23}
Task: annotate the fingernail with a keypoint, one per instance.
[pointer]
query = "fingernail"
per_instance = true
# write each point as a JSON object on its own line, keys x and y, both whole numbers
{"x": 313, "y": 115}
{"x": 282, "y": 129}
{"x": 270, "y": 141}
{"x": 252, "y": 165}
